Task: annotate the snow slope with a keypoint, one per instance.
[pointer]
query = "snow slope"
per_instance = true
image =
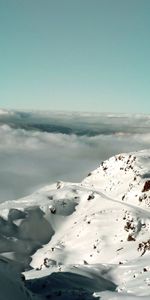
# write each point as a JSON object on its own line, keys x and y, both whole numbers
{"x": 87, "y": 240}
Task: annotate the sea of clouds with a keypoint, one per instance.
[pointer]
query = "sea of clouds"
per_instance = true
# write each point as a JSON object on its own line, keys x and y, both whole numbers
{"x": 38, "y": 148}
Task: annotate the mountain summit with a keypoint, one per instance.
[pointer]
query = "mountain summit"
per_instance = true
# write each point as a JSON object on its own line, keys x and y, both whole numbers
{"x": 87, "y": 240}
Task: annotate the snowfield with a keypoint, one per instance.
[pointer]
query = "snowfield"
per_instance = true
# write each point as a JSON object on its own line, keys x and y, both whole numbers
{"x": 81, "y": 241}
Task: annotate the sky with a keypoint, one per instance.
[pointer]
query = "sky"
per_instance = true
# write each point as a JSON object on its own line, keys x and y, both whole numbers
{"x": 75, "y": 55}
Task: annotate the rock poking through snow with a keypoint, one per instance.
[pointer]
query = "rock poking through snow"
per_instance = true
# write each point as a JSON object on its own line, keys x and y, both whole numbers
{"x": 88, "y": 240}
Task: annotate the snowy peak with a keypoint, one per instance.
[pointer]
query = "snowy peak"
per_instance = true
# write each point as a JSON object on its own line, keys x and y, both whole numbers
{"x": 79, "y": 227}
{"x": 113, "y": 175}
{"x": 125, "y": 177}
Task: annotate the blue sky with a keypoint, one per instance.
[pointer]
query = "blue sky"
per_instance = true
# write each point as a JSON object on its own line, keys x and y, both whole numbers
{"x": 82, "y": 55}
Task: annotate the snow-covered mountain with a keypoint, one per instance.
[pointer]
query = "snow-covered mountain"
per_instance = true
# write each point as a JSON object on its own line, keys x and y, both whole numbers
{"x": 87, "y": 240}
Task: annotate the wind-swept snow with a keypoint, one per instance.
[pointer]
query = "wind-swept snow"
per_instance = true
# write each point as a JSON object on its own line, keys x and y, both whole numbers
{"x": 87, "y": 240}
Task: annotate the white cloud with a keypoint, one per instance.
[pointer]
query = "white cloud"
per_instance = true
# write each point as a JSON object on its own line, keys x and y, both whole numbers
{"x": 29, "y": 159}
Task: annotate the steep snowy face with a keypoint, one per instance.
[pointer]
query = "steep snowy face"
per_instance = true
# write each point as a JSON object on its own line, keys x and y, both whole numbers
{"x": 114, "y": 175}
{"x": 103, "y": 220}
{"x": 94, "y": 221}
{"x": 124, "y": 177}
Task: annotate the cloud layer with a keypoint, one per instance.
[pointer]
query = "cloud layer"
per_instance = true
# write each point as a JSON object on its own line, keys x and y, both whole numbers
{"x": 61, "y": 146}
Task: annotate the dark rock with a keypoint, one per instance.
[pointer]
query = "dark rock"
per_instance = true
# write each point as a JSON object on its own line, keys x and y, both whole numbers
{"x": 146, "y": 187}
{"x": 89, "y": 174}
{"x": 130, "y": 238}
{"x": 53, "y": 210}
{"x": 90, "y": 197}
{"x": 144, "y": 270}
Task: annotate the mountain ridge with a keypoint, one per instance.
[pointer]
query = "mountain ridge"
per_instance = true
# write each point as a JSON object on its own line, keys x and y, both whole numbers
{"x": 99, "y": 226}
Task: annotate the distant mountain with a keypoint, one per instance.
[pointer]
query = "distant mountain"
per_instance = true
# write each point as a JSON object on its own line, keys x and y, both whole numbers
{"x": 80, "y": 124}
{"x": 88, "y": 240}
